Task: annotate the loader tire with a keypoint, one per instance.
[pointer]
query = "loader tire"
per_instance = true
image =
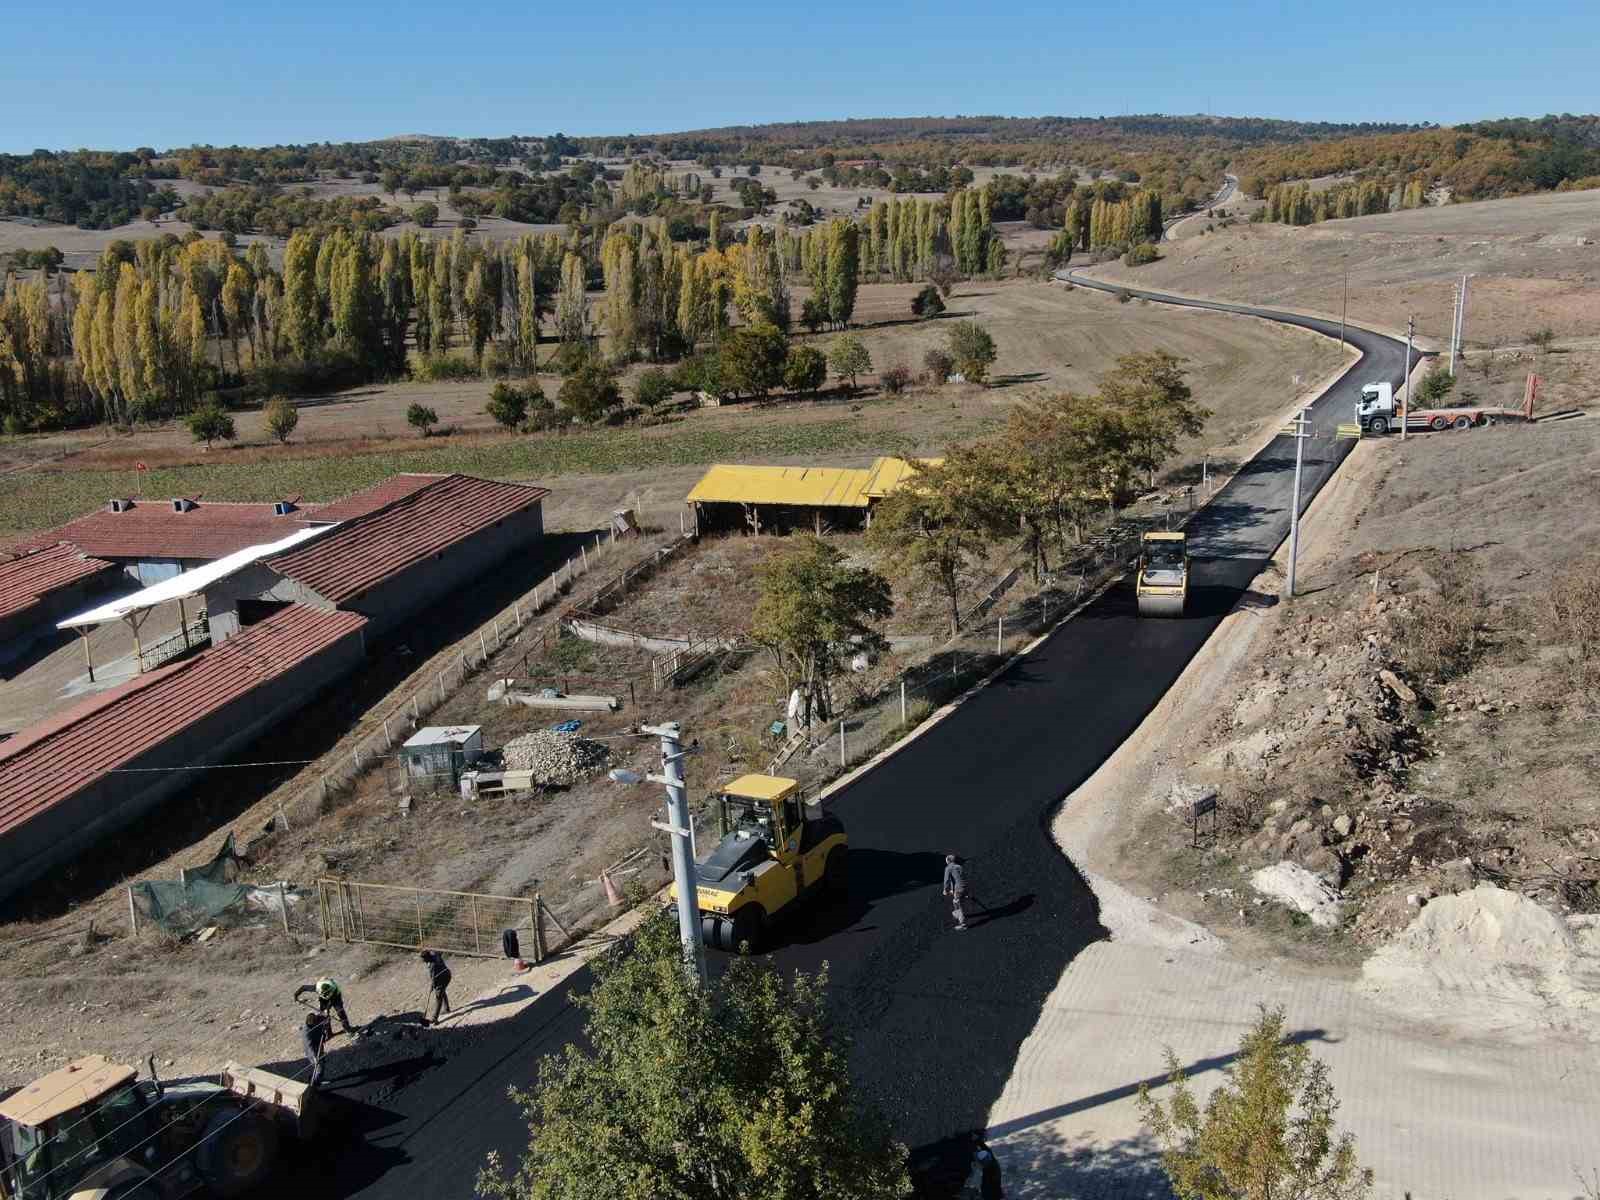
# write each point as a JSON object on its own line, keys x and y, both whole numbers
{"x": 237, "y": 1152}
{"x": 747, "y": 929}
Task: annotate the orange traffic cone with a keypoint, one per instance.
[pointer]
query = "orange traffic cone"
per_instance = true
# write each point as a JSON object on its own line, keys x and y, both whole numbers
{"x": 613, "y": 897}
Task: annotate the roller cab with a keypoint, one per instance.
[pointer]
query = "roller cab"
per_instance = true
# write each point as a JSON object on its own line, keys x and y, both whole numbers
{"x": 1162, "y": 585}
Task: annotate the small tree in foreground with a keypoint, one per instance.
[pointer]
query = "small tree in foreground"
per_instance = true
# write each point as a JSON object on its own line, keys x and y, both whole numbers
{"x": 211, "y": 423}
{"x": 735, "y": 1089}
{"x": 805, "y": 370}
{"x": 1435, "y": 386}
{"x": 421, "y": 418}
{"x": 281, "y": 418}
{"x": 1249, "y": 1142}
{"x": 653, "y": 389}
{"x": 849, "y": 358}
{"x": 591, "y": 392}
{"x": 507, "y": 405}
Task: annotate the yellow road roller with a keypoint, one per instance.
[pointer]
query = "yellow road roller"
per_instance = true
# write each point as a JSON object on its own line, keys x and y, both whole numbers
{"x": 1163, "y": 581}
{"x": 775, "y": 853}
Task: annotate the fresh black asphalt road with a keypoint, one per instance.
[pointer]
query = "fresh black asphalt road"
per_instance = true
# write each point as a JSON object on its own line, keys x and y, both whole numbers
{"x": 937, "y": 1016}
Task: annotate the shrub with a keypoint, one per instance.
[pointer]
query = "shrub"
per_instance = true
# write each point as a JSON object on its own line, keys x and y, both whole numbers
{"x": 327, "y": 371}
{"x": 1439, "y": 634}
{"x": 1141, "y": 255}
{"x": 653, "y": 388}
{"x": 570, "y": 356}
{"x": 425, "y": 214}
{"x": 751, "y": 360}
{"x": 590, "y": 393}
{"x": 971, "y": 349}
{"x": 927, "y": 302}
{"x": 1568, "y": 619}
{"x": 1542, "y": 338}
{"x": 209, "y": 423}
{"x": 939, "y": 365}
{"x": 508, "y": 405}
{"x": 849, "y": 358}
{"x": 814, "y": 313}
{"x": 896, "y": 379}
{"x": 281, "y": 417}
{"x": 421, "y": 418}
{"x": 437, "y": 368}
{"x": 805, "y": 370}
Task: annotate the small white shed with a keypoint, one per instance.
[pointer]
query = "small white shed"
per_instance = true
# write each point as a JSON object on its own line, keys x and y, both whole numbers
{"x": 442, "y": 752}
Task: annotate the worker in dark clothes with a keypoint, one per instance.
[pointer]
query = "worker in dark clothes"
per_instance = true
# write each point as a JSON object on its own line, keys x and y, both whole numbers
{"x": 955, "y": 886}
{"x": 989, "y": 1186}
{"x": 329, "y": 999}
{"x": 314, "y": 1036}
{"x": 438, "y": 984}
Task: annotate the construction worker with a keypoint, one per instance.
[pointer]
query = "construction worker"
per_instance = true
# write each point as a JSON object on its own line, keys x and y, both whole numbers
{"x": 955, "y": 886}
{"x": 438, "y": 984}
{"x": 329, "y": 999}
{"x": 314, "y": 1036}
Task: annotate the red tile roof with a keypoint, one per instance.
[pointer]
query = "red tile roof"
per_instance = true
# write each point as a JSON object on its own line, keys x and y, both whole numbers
{"x": 365, "y": 551}
{"x": 26, "y": 578}
{"x": 379, "y": 495}
{"x": 153, "y": 529}
{"x": 48, "y": 762}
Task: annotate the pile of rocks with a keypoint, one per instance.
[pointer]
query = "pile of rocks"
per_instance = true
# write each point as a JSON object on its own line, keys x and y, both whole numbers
{"x": 562, "y": 759}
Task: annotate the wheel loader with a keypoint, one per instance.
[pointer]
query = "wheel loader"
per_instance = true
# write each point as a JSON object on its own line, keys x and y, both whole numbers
{"x": 94, "y": 1131}
{"x": 1162, "y": 585}
{"x": 775, "y": 854}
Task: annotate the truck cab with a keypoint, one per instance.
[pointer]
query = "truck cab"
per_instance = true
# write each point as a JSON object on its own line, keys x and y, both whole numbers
{"x": 774, "y": 852}
{"x": 1375, "y": 411}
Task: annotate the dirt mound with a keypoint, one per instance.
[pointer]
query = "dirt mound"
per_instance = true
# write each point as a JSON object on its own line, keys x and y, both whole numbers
{"x": 1500, "y": 947}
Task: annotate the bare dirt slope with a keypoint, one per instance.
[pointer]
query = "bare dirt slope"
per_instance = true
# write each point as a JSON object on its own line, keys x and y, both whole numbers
{"x": 1533, "y": 259}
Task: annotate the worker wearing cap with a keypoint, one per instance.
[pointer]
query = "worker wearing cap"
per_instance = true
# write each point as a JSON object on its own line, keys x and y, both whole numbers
{"x": 329, "y": 999}
{"x": 438, "y": 985}
{"x": 955, "y": 886}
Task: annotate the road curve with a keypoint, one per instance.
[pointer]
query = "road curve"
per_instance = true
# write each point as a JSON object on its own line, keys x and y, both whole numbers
{"x": 937, "y": 1017}
{"x": 1229, "y": 183}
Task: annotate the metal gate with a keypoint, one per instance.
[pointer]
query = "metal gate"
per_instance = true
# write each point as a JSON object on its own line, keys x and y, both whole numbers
{"x": 425, "y": 918}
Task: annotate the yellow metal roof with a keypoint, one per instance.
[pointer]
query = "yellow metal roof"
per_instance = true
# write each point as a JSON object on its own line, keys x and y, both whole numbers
{"x": 73, "y": 1086}
{"x": 886, "y": 474}
{"x": 761, "y": 787}
{"x": 816, "y": 487}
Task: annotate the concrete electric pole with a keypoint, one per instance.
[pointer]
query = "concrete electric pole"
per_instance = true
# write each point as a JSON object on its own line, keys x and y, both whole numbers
{"x": 678, "y": 826}
{"x": 1405, "y": 410}
{"x": 1344, "y": 307}
{"x": 1301, "y": 426}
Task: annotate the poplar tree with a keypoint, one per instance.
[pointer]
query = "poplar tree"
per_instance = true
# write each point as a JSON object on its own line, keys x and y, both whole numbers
{"x": 842, "y": 271}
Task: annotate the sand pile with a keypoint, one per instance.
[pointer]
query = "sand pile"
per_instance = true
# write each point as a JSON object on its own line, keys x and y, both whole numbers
{"x": 1497, "y": 948}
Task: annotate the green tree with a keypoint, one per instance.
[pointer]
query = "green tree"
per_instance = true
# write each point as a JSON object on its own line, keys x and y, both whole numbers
{"x": 843, "y": 270}
{"x": 812, "y": 606}
{"x": 930, "y": 528}
{"x": 653, "y": 389}
{"x": 805, "y": 370}
{"x": 1154, "y": 400}
{"x": 426, "y": 214}
{"x": 507, "y": 405}
{"x": 736, "y": 1089}
{"x": 751, "y": 360}
{"x": 939, "y": 365}
{"x": 211, "y": 423}
{"x": 1267, "y": 1133}
{"x": 814, "y": 313}
{"x": 971, "y": 350}
{"x": 1435, "y": 386}
{"x": 590, "y": 392}
{"x": 281, "y": 418}
{"x": 848, "y": 358}
{"x": 421, "y": 418}
{"x": 927, "y": 302}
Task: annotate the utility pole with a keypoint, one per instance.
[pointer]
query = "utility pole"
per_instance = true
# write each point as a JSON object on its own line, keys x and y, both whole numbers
{"x": 683, "y": 870}
{"x": 1302, "y": 430}
{"x": 1405, "y": 409}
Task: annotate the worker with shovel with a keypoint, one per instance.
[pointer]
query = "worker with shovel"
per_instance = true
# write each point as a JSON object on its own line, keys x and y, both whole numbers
{"x": 329, "y": 999}
{"x": 438, "y": 985}
{"x": 314, "y": 1037}
{"x": 955, "y": 886}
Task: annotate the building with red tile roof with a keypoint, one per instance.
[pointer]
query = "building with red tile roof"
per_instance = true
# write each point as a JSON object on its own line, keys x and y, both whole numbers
{"x": 182, "y": 531}
{"x": 41, "y": 584}
{"x": 67, "y": 782}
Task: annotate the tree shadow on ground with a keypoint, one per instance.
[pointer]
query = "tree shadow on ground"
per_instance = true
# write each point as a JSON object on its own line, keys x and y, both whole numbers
{"x": 1005, "y": 381}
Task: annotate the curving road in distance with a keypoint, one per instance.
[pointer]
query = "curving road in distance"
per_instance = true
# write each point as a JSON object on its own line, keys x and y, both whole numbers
{"x": 937, "y": 1017}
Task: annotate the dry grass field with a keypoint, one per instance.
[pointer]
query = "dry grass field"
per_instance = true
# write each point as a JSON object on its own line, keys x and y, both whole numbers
{"x": 1533, "y": 259}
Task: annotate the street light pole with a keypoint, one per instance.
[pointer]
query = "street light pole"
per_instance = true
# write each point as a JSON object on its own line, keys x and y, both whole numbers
{"x": 683, "y": 869}
{"x": 1302, "y": 425}
{"x": 1344, "y": 308}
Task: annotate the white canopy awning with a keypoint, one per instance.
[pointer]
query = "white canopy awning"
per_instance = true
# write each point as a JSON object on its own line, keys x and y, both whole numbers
{"x": 190, "y": 583}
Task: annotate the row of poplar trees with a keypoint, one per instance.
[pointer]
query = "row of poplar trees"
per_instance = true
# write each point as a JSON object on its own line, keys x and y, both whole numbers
{"x": 160, "y": 323}
{"x": 1298, "y": 204}
{"x": 1094, "y": 222}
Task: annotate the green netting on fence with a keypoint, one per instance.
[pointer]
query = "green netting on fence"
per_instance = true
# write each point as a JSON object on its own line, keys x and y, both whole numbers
{"x": 208, "y": 895}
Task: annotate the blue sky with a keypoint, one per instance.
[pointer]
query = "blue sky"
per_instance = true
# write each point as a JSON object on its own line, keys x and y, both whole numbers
{"x": 119, "y": 75}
